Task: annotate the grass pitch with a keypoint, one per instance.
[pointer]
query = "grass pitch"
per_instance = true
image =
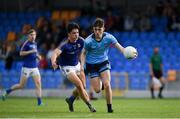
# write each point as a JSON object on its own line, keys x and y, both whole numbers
{"x": 57, "y": 108}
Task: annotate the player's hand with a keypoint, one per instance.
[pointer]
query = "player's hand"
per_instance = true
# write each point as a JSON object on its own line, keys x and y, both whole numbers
{"x": 54, "y": 65}
{"x": 135, "y": 55}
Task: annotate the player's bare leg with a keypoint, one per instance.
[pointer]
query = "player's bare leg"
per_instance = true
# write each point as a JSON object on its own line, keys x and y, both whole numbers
{"x": 75, "y": 92}
{"x": 105, "y": 76}
{"x": 83, "y": 78}
{"x": 82, "y": 92}
{"x": 95, "y": 84}
{"x": 37, "y": 81}
{"x": 20, "y": 85}
{"x": 91, "y": 93}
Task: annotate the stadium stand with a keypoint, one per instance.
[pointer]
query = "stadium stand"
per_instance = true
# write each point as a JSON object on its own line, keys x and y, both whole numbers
{"x": 167, "y": 39}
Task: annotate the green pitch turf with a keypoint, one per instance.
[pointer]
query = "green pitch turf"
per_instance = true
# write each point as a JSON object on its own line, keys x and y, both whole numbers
{"x": 123, "y": 108}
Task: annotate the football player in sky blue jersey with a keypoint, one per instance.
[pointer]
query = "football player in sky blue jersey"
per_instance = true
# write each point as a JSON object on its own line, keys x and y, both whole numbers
{"x": 30, "y": 66}
{"x": 95, "y": 55}
{"x": 69, "y": 62}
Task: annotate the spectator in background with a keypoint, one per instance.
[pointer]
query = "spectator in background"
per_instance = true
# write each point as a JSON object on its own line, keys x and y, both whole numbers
{"x": 128, "y": 23}
{"x": 109, "y": 20}
{"x": 58, "y": 33}
{"x": 3, "y": 50}
{"x": 43, "y": 63}
{"x": 174, "y": 23}
{"x": 43, "y": 49}
{"x": 156, "y": 72}
{"x": 49, "y": 54}
{"x": 144, "y": 23}
{"x": 9, "y": 57}
{"x": 7, "y": 53}
{"x": 177, "y": 6}
{"x": 159, "y": 8}
{"x": 168, "y": 8}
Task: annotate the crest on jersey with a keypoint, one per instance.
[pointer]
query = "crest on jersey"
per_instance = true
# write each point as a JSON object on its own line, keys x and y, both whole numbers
{"x": 32, "y": 46}
{"x": 79, "y": 45}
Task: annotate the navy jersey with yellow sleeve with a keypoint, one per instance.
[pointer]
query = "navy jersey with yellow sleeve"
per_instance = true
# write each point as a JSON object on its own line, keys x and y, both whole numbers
{"x": 70, "y": 52}
{"x": 30, "y": 60}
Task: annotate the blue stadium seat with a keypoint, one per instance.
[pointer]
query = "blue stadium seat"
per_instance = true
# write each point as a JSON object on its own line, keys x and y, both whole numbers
{"x": 30, "y": 83}
{"x": 124, "y": 36}
{"x": 49, "y": 72}
{"x": 171, "y": 36}
{"x": 122, "y": 83}
{"x": 6, "y": 83}
{"x": 2, "y": 65}
{"x": 134, "y": 83}
{"x": 113, "y": 84}
{"x": 143, "y": 35}
{"x": 161, "y": 36}
{"x": 20, "y": 15}
{"x": 3, "y": 15}
{"x": 12, "y": 15}
{"x": 178, "y": 36}
{"x": 19, "y": 65}
{"x": 134, "y": 35}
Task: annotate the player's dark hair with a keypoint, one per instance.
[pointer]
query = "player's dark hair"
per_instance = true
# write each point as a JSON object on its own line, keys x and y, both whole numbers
{"x": 98, "y": 23}
{"x": 31, "y": 31}
{"x": 72, "y": 26}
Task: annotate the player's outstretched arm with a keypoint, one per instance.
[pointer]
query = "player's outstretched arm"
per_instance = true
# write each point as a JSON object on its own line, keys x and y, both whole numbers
{"x": 24, "y": 53}
{"x": 119, "y": 47}
{"x": 54, "y": 56}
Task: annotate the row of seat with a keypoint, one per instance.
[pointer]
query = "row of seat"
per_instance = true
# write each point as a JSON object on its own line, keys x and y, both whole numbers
{"x": 147, "y": 35}
{"x": 23, "y": 15}
{"x": 52, "y": 80}
{"x": 11, "y": 23}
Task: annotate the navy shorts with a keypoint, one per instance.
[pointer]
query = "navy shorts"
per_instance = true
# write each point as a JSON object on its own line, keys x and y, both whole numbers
{"x": 94, "y": 70}
{"x": 157, "y": 73}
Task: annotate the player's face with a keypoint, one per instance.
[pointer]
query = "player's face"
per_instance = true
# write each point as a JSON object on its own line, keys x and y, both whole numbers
{"x": 32, "y": 36}
{"x": 73, "y": 35}
{"x": 98, "y": 31}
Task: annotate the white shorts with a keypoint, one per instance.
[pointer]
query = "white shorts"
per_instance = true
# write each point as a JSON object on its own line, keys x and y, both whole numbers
{"x": 69, "y": 69}
{"x": 156, "y": 82}
{"x": 27, "y": 72}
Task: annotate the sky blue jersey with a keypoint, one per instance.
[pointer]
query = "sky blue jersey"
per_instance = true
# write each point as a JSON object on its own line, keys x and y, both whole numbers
{"x": 97, "y": 51}
{"x": 30, "y": 60}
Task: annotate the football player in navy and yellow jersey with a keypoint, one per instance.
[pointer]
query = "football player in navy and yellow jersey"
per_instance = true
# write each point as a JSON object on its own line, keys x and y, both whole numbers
{"x": 30, "y": 66}
{"x": 69, "y": 53}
